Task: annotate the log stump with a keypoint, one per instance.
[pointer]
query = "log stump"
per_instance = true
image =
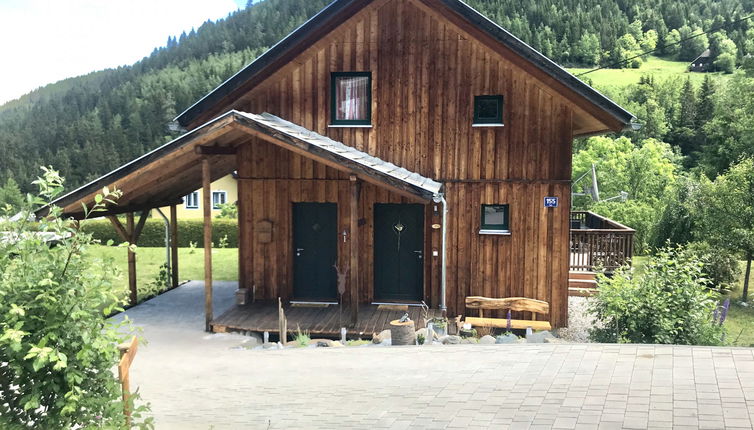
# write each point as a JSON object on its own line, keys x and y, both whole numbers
{"x": 402, "y": 333}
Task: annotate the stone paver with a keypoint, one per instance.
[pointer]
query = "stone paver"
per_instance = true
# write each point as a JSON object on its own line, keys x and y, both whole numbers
{"x": 194, "y": 380}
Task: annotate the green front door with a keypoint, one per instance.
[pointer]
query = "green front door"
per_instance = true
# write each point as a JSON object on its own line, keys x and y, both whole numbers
{"x": 315, "y": 241}
{"x": 398, "y": 252}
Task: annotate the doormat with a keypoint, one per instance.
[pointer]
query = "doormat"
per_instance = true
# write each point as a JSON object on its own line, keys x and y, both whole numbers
{"x": 309, "y": 305}
{"x": 392, "y": 308}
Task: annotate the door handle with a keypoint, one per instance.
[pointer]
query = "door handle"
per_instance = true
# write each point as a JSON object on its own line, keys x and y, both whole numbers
{"x": 419, "y": 254}
{"x": 298, "y": 252}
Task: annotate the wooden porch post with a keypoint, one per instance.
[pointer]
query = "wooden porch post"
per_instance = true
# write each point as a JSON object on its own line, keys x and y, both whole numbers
{"x": 131, "y": 260}
{"x": 207, "y": 204}
{"x": 174, "y": 243}
{"x": 354, "y": 264}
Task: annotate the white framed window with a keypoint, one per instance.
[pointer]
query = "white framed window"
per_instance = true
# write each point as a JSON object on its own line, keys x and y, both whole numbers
{"x": 192, "y": 200}
{"x": 218, "y": 198}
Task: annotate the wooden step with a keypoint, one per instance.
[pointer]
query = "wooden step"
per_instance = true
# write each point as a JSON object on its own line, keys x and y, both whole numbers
{"x": 582, "y": 283}
{"x": 582, "y": 274}
{"x": 582, "y": 292}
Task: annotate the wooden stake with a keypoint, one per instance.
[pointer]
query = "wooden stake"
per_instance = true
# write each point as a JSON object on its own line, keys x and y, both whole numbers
{"x": 354, "y": 249}
{"x": 127, "y": 354}
{"x": 207, "y": 206}
{"x": 174, "y": 243}
{"x": 133, "y": 298}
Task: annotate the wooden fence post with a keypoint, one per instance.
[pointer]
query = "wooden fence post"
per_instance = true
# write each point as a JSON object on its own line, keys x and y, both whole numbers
{"x": 127, "y": 354}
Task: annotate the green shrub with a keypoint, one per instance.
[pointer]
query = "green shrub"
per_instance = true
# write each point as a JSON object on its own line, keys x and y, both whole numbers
{"x": 668, "y": 303}
{"x": 57, "y": 350}
{"x": 153, "y": 234}
{"x": 721, "y": 266}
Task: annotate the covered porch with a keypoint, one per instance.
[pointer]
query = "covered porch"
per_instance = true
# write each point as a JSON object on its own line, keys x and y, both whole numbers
{"x": 357, "y": 183}
{"x": 599, "y": 243}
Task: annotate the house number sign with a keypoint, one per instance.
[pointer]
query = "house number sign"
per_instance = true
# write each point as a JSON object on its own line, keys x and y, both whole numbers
{"x": 551, "y": 202}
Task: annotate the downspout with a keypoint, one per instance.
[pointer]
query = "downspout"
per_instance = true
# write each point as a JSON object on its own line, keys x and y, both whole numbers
{"x": 440, "y": 198}
{"x": 167, "y": 238}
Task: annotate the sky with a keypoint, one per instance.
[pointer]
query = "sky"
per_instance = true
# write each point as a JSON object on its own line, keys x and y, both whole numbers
{"x": 44, "y": 41}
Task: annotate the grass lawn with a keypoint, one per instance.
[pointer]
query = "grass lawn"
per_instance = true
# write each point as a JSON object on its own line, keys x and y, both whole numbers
{"x": 190, "y": 263}
{"x": 659, "y": 67}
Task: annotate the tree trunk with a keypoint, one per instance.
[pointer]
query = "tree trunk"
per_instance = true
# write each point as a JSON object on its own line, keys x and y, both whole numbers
{"x": 746, "y": 278}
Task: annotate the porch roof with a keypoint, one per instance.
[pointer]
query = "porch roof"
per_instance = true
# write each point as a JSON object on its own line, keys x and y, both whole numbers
{"x": 163, "y": 176}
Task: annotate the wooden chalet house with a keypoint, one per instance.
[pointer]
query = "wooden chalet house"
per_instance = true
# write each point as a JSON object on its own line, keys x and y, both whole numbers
{"x": 414, "y": 144}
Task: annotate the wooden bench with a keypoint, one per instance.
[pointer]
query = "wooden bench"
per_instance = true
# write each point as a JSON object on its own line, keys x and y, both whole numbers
{"x": 521, "y": 304}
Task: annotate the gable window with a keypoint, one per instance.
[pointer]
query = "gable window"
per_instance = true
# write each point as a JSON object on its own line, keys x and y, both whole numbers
{"x": 218, "y": 198}
{"x": 495, "y": 220}
{"x": 351, "y": 99}
{"x": 488, "y": 111}
{"x": 192, "y": 200}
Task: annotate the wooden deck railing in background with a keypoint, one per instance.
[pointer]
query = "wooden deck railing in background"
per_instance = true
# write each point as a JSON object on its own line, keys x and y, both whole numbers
{"x": 599, "y": 242}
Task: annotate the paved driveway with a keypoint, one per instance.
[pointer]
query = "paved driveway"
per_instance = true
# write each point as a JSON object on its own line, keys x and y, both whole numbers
{"x": 196, "y": 380}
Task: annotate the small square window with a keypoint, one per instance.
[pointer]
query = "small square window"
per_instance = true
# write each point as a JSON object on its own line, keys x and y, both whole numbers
{"x": 192, "y": 200}
{"x": 488, "y": 110}
{"x": 218, "y": 198}
{"x": 351, "y": 98}
{"x": 494, "y": 219}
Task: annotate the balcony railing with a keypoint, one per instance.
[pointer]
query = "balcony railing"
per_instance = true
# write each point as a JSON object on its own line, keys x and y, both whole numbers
{"x": 599, "y": 243}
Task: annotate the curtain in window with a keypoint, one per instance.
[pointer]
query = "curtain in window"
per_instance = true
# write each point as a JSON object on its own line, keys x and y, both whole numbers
{"x": 352, "y": 100}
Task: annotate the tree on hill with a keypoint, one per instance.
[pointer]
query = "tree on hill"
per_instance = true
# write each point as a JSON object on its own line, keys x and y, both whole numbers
{"x": 727, "y": 219}
{"x": 691, "y": 48}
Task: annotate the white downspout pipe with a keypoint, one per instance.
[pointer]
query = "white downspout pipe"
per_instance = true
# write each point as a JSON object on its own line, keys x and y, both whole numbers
{"x": 167, "y": 239}
{"x": 440, "y": 198}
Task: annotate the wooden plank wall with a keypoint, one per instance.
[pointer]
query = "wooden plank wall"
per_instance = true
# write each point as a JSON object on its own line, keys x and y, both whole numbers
{"x": 425, "y": 72}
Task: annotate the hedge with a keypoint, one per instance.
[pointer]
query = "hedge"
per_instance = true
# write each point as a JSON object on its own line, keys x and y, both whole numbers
{"x": 153, "y": 234}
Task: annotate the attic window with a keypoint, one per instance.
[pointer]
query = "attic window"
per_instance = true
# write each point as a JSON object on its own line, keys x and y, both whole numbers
{"x": 351, "y": 99}
{"x": 488, "y": 110}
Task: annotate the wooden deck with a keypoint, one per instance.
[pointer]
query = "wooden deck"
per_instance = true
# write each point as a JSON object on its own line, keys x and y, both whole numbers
{"x": 318, "y": 321}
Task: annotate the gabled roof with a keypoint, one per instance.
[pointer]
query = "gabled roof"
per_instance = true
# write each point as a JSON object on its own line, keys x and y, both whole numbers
{"x": 339, "y": 10}
{"x": 158, "y": 178}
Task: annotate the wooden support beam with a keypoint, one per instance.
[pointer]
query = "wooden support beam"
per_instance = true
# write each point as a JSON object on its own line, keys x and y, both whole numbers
{"x": 174, "y": 244}
{"x": 207, "y": 206}
{"x": 215, "y": 150}
{"x": 354, "y": 249}
{"x": 133, "y": 297}
{"x": 124, "y": 235}
{"x": 140, "y": 226}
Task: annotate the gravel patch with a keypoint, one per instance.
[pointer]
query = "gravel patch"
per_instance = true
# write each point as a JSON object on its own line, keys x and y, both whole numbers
{"x": 580, "y": 320}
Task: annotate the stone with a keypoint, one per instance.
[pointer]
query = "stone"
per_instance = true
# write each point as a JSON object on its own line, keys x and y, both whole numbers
{"x": 522, "y": 340}
{"x": 539, "y": 337}
{"x": 487, "y": 340}
{"x": 381, "y": 337}
{"x": 321, "y": 343}
{"x": 553, "y": 340}
{"x": 336, "y": 344}
{"x": 270, "y": 345}
{"x": 450, "y": 340}
{"x": 507, "y": 338}
{"x": 469, "y": 340}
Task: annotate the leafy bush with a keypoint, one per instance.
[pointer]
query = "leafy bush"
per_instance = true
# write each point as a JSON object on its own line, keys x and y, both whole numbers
{"x": 721, "y": 266}
{"x": 153, "y": 234}
{"x": 57, "y": 350}
{"x": 668, "y": 303}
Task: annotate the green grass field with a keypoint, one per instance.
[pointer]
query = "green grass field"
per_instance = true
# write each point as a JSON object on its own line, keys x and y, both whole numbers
{"x": 658, "y": 67}
{"x": 190, "y": 263}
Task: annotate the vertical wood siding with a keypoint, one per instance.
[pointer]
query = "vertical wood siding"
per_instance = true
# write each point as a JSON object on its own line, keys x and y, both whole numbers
{"x": 426, "y": 72}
